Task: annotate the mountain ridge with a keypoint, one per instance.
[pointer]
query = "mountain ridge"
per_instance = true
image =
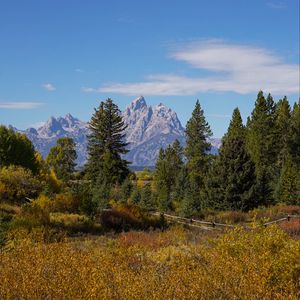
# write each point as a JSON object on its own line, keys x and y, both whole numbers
{"x": 148, "y": 129}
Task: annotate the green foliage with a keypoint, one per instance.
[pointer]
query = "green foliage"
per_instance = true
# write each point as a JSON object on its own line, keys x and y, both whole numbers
{"x": 61, "y": 158}
{"x": 231, "y": 183}
{"x": 147, "y": 197}
{"x": 16, "y": 149}
{"x": 197, "y": 145}
{"x": 282, "y": 123}
{"x": 126, "y": 190}
{"x": 261, "y": 143}
{"x": 196, "y": 152}
{"x": 136, "y": 196}
{"x": 17, "y": 183}
{"x": 168, "y": 167}
{"x": 288, "y": 187}
{"x": 294, "y": 131}
{"x": 106, "y": 145}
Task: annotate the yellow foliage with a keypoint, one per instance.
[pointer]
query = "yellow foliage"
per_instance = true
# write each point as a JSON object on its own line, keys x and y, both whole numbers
{"x": 258, "y": 264}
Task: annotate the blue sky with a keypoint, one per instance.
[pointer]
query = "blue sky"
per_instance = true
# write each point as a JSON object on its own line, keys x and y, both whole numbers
{"x": 60, "y": 56}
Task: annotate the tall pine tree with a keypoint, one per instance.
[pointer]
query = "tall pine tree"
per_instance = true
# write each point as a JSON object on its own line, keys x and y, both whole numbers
{"x": 196, "y": 152}
{"x": 261, "y": 141}
{"x": 231, "y": 184}
{"x": 106, "y": 145}
{"x": 282, "y": 123}
{"x": 168, "y": 166}
{"x": 294, "y": 130}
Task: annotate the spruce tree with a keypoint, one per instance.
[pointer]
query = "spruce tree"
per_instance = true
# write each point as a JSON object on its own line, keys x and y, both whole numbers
{"x": 106, "y": 145}
{"x": 196, "y": 152}
{"x": 261, "y": 141}
{"x": 294, "y": 130}
{"x": 283, "y": 116}
{"x": 288, "y": 187}
{"x": 232, "y": 184}
{"x": 168, "y": 166}
{"x": 146, "y": 197}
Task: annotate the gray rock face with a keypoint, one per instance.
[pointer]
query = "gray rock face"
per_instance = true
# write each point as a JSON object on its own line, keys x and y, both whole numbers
{"x": 148, "y": 129}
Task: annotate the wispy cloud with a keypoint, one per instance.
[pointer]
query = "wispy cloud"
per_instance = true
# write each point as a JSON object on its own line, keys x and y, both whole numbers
{"x": 79, "y": 70}
{"x": 20, "y": 105}
{"x": 234, "y": 68}
{"x": 49, "y": 87}
{"x": 37, "y": 125}
{"x": 89, "y": 90}
{"x": 276, "y": 4}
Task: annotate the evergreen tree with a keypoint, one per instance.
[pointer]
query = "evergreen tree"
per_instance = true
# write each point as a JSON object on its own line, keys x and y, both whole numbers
{"x": 147, "y": 197}
{"x": 16, "y": 149}
{"x": 136, "y": 195}
{"x": 288, "y": 188}
{"x": 181, "y": 184}
{"x": 61, "y": 158}
{"x": 261, "y": 141}
{"x": 106, "y": 145}
{"x": 294, "y": 131}
{"x": 126, "y": 190}
{"x": 232, "y": 184}
{"x": 196, "y": 151}
{"x": 283, "y": 116}
{"x": 168, "y": 166}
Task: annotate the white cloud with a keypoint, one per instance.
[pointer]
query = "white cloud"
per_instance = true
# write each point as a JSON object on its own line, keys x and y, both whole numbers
{"x": 79, "y": 70}
{"x": 234, "y": 68}
{"x": 37, "y": 125}
{"x": 20, "y": 105}
{"x": 49, "y": 87}
{"x": 89, "y": 90}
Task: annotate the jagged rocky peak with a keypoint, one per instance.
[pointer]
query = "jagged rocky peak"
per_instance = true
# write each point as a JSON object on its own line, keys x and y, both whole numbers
{"x": 31, "y": 130}
{"x": 138, "y": 103}
{"x": 51, "y": 127}
{"x": 53, "y": 124}
{"x": 68, "y": 121}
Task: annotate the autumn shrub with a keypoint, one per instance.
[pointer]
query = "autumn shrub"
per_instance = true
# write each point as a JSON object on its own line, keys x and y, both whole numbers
{"x": 17, "y": 184}
{"x": 74, "y": 223}
{"x": 292, "y": 227}
{"x": 231, "y": 217}
{"x": 123, "y": 217}
{"x": 65, "y": 202}
{"x": 256, "y": 264}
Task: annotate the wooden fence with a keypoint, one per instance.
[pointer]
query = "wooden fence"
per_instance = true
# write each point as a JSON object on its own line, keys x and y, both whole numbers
{"x": 205, "y": 225}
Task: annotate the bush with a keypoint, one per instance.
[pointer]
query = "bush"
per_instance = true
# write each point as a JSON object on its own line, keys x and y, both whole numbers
{"x": 124, "y": 217}
{"x": 17, "y": 183}
{"x": 65, "y": 203}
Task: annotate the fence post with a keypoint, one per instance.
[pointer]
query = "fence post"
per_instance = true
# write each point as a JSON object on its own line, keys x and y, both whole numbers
{"x": 288, "y": 217}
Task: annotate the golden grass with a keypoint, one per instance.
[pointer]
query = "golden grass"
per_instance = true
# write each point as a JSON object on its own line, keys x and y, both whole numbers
{"x": 259, "y": 264}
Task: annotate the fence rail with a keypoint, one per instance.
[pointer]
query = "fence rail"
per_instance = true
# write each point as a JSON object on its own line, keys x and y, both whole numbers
{"x": 205, "y": 224}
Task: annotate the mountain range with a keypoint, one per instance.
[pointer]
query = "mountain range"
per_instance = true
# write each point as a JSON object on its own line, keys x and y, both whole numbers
{"x": 148, "y": 129}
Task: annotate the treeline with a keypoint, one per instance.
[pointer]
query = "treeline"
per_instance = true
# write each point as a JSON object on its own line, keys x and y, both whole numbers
{"x": 258, "y": 165}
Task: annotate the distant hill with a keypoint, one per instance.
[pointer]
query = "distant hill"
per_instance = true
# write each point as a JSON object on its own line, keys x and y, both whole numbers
{"x": 149, "y": 129}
